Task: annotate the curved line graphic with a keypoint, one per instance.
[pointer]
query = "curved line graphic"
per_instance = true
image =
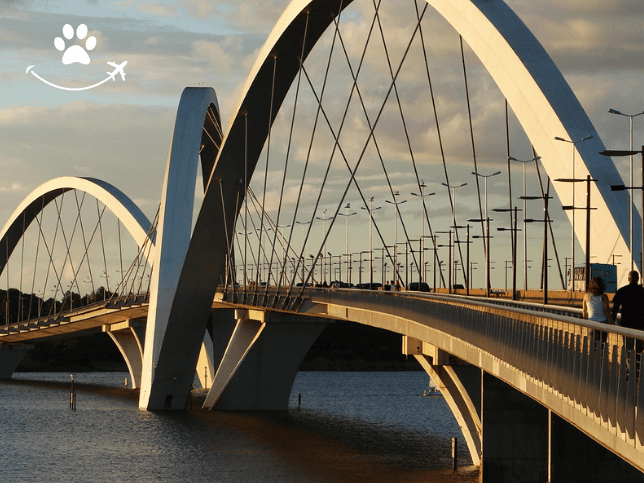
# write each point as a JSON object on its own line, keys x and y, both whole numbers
{"x": 67, "y": 88}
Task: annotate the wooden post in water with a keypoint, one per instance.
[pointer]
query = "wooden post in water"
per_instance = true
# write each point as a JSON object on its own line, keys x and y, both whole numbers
{"x": 454, "y": 453}
{"x": 72, "y": 394}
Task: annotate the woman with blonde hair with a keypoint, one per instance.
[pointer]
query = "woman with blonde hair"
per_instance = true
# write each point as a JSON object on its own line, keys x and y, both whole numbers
{"x": 595, "y": 304}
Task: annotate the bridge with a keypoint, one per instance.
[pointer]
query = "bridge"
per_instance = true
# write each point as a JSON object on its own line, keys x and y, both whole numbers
{"x": 244, "y": 280}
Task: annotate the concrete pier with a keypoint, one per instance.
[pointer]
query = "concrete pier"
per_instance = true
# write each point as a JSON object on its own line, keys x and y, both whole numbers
{"x": 515, "y": 435}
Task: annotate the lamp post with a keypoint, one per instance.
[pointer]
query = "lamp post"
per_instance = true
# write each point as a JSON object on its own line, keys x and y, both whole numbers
{"x": 371, "y": 209}
{"x": 622, "y": 188}
{"x": 303, "y": 223}
{"x": 453, "y": 198}
{"x": 395, "y": 202}
{"x": 324, "y": 218}
{"x": 346, "y": 215}
{"x": 472, "y": 268}
{"x": 422, "y": 197}
{"x": 630, "y": 178}
{"x": 246, "y": 233}
{"x": 279, "y": 232}
{"x": 360, "y": 268}
{"x": 456, "y": 227}
{"x": 587, "y": 208}
{"x": 506, "y": 272}
{"x": 525, "y": 213}
{"x": 486, "y": 237}
{"x": 435, "y": 255}
{"x": 467, "y": 264}
{"x": 545, "y": 221}
{"x": 572, "y": 241}
{"x": 450, "y": 245}
{"x": 513, "y": 231}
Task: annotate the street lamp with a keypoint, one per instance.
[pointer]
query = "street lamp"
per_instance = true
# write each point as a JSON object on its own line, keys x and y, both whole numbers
{"x": 449, "y": 246}
{"x": 371, "y": 209}
{"x": 545, "y": 221}
{"x": 303, "y": 223}
{"x": 587, "y": 208}
{"x": 435, "y": 256}
{"x": 346, "y": 215}
{"x": 513, "y": 231}
{"x": 631, "y": 187}
{"x": 472, "y": 268}
{"x": 467, "y": 251}
{"x": 422, "y": 197}
{"x": 572, "y": 241}
{"x": 456, "y": 227}
{"x": 525, "y": 213}
{"x": 630, "y": 178}
{"x": 395, "y": 203}
{"x": 486, "y": 237}
{"x": 324, "y": 218}
{"x": 279, "y": 232}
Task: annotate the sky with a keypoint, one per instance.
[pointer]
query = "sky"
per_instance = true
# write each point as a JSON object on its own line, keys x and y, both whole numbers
{"x": 120, "y": 131}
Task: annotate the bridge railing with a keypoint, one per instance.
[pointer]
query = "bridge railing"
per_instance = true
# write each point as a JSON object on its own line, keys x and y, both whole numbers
{"x": 63, "y": 317}
{"x": 592, "y": 367}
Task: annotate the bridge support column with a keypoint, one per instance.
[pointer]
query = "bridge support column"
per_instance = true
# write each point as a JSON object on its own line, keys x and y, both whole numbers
{"x": 222, "y": 323}
{"x": 10, "y": 356}
{"x": 460, "y": 385}
{"x": 576, "y": 458}
{"x": 261, "y": 361}
{"x": 129, "y": 337}
{"x": 515, "y": 435}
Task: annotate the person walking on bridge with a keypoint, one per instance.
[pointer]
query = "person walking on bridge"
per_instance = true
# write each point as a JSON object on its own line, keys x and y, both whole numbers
{"x": 595, "y": 305}
{"x": 630, "y": 298}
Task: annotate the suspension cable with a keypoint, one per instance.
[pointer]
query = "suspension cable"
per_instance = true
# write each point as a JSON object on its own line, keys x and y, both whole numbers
{"x": 310, "y": 147}
{"x": 547, "y": 218}
{"x": 438, "y": 134}
{"x": 486, "y": 240}
{"x": 288, "y": 151}
{"x": 369, "y": 137}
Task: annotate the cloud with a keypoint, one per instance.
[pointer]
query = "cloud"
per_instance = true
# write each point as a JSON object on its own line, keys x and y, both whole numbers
{"x": 120, "y": 144}
{"x": 121, "y": 132}
{"x": 158, "y": 10}
{"x": 13, "y": 188}
{"x": 154, "y": 40}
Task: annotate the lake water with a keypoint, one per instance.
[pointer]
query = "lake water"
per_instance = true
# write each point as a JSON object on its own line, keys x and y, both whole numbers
{"x": 352, "y": 427}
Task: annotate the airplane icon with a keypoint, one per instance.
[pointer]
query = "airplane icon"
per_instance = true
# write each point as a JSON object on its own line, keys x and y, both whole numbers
{"x": 118, "y": 69}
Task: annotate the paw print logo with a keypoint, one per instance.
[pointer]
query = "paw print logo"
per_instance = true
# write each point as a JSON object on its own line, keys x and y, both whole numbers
{"x": 75, "y": 53}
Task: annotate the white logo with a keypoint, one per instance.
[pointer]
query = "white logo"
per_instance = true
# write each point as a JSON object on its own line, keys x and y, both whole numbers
{"x": 78, "y": 54}
{"x": 75, "y": 53}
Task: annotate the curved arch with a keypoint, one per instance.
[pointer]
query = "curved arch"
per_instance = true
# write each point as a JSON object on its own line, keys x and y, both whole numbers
{"x": 278, "y": 64}
{"x": 190, "y": 139}
{"x": 546, "y": 107}
{"x": 526, "y": 75}
{"x": 136, "y": 223}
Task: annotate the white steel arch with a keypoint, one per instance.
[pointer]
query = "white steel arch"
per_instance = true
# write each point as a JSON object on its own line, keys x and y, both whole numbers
{"x": 508, "y": 49}
{"x": 533, "y": 86}
{"x": 175, "y": 220}
{"x": 547, "y": 108}
{"x": 133, "y": 219}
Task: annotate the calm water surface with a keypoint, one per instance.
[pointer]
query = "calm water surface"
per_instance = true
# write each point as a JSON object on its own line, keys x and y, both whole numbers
{"x": 352, "y": 427}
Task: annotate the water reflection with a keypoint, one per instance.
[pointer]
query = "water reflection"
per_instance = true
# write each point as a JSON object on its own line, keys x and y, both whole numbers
{"x": 109, "y": 439}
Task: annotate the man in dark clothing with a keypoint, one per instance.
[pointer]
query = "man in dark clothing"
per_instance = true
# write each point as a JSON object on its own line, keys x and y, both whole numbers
{"x": 631, "y": 299}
